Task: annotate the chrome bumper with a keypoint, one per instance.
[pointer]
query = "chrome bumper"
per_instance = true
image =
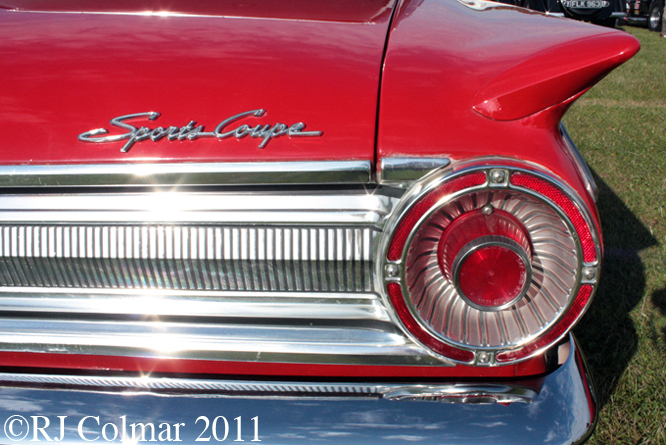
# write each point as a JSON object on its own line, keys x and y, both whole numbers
{"x": 562, "y": 412}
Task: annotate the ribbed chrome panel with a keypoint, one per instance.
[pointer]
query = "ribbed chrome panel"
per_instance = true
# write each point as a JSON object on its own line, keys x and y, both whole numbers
{"x": 198, "y": 385}
{"x": 216, "y": 258}
{"x": 285, "y": 277}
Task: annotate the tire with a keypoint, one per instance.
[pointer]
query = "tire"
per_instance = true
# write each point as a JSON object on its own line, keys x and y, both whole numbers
{"x": 654, "y": 18}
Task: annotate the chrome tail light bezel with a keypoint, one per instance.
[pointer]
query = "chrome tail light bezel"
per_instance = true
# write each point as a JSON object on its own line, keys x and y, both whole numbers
{"x": 392, "y": 271}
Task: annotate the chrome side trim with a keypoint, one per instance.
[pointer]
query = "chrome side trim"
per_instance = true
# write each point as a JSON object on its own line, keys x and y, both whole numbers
{"x": 151, "y": 303}
{"x": 481, "y": 394}
{"x": 345, "y": 342}
{"x": 401, "y": 172}
{"x": 340, "y": 209}
{"x": 181, "y": 174}
{"x": 477, "y": 393}
{"x": 583, "y": 168}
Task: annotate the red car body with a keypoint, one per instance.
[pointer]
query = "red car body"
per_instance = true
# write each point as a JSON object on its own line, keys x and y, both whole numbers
{"x": 154, "y": 104}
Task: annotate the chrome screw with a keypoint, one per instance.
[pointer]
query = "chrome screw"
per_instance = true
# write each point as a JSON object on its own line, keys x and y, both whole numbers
{"x": 392, "y": 271}
{"x": 483, "y": 357}
{"x": 487, "y": 210}
{"x": 498, "y": 176}
{"x": 589, "y": 273}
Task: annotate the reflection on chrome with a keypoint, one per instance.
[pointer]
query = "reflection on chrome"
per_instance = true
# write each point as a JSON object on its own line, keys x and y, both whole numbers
{"x": 562, "y": 412}
{"x": 455, "y": 393}
{"x": 184, "y": 174}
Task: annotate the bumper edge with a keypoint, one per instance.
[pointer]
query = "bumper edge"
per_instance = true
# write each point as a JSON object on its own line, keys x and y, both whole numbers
{"x": 564, "y": 412}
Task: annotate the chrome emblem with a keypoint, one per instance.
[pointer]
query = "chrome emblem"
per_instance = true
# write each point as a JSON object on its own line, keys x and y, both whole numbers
{"x": 192, "y": 131}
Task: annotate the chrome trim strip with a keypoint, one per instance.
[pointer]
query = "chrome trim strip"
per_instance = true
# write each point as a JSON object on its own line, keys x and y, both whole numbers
{"x": 402, "y": 171}
{"x": 478, "y": 393}
{"x": 481, "y": 394}
{"x": 313, "y": 342}
{"x": 296, "y": 209}
{"x": 182, "y": 174}
{"x": 150, "y": 303}
{"x": 583, "y": 168}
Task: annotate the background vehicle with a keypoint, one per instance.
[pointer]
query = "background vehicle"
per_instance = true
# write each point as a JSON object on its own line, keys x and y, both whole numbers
{"x": 600, "y": 12}
{"x": 648, "y": 12}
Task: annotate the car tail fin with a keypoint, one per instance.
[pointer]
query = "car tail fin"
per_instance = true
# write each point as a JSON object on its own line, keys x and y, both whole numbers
{"x": 553, "y": 76}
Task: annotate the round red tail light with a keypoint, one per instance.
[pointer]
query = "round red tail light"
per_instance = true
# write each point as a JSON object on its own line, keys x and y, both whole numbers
{"x": 489, "y": 272}
{"x": 492, "y": 276}
{"x": 486, "y": 254}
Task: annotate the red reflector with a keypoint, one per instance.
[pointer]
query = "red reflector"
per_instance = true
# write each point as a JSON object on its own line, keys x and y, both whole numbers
{"x": 567, "y": 206}
{"x": 492, "y": 276}
{"x": 556, "y": 332}
{"x": 395, "y": 293}
{"x": 426, "y": 203}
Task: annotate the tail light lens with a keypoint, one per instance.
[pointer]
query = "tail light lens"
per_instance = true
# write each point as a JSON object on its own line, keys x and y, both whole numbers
{"x": 486, "y": 254}
{"x": 490, "y": 265}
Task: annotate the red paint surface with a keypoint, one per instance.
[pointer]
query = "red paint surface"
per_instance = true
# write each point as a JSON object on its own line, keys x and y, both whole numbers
{"x": 552, "y": 76}
{"x": 65, "y": 74}
{"x": 339, "y": 10}
{"x": 198, "y": 367}
{"x": 441, "y": 54}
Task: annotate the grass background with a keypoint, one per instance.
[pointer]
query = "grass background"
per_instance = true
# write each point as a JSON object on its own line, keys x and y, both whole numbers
{"x": 620, "y": 128}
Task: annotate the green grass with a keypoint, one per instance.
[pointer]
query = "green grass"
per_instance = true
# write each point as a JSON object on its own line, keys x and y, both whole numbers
{"x": 620, "y": 127}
